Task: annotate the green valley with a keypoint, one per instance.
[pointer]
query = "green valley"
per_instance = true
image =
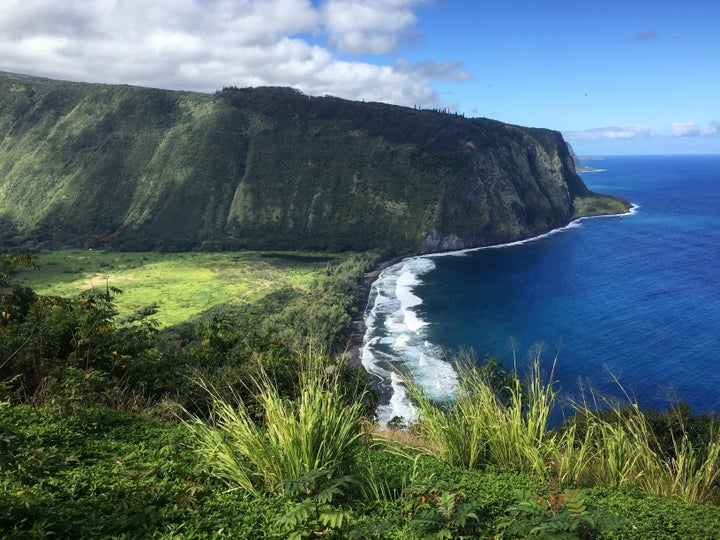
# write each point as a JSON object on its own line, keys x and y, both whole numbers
{"x": 173, "y": 287}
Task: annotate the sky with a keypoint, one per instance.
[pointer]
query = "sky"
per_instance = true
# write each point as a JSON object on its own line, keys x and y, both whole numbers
{"x": 614, "y": 76}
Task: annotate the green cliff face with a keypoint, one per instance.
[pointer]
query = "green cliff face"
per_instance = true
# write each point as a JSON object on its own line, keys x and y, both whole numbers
{"x": 137, "y": 168}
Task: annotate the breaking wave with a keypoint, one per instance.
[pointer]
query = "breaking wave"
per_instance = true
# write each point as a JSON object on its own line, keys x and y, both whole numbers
{"x": 395, "y": 345}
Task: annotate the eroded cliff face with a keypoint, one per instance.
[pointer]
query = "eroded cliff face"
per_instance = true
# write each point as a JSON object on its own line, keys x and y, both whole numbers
{"x": 267, "y": 168}
{"x": 516, "y": 191}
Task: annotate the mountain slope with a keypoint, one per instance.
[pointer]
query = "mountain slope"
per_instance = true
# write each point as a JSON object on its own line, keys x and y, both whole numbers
{"x": 139, "y": 168}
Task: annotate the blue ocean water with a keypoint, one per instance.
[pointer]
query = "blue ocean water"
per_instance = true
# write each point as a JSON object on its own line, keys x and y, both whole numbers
{"x": 634, "y": 298}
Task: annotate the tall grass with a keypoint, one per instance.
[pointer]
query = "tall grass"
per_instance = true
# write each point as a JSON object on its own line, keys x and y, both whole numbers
{"x": 316, "y": 431}
{"x": 479, "y": 428}
{"x": 625, "y": 450}
{"x": 689, "y": 477}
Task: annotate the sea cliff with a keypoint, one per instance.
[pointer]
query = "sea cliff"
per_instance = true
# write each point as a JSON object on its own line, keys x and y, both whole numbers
{"x": 140, "y": 169}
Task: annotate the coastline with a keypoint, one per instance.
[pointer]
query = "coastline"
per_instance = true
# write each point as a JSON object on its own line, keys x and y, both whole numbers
{"x": 358, "y": 329}
{"x": 357, "y": 323}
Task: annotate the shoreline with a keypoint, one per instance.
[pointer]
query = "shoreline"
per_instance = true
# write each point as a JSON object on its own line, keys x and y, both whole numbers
{"x": 358, "y": 329}
{"x": 357, "y": 323}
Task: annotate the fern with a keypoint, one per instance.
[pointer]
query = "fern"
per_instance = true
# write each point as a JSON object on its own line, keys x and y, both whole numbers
{"x": 562, "y": 515}
{"x": 575, "y": 503}
{"x": 333, "y": 488}
{"x": 335, "y": 519}
{"x": 313, "y": 514}
{"x": 292, "y": 487}
{"x": 298, "y": 514}
{"x": 445, "y": 514}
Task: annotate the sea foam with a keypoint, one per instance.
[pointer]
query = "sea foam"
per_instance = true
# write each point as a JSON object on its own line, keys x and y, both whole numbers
{"x": 395, "y": 347}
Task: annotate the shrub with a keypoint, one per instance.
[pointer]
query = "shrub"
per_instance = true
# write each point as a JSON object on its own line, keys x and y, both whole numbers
{"x": 563, "y": 515}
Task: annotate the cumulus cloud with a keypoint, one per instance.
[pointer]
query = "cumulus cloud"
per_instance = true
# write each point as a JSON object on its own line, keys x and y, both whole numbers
{"x": 206, "y": 44}
{"x": 368, "y": 26}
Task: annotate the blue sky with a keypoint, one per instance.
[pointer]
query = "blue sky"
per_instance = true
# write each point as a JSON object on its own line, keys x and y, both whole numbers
{"x": 615, "y": 77}
{"x": 650, "y": 70}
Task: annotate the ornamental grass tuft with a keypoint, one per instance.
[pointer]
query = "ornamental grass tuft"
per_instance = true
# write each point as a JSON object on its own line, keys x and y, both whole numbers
{"x": 318, "y": 430}
{"x": 481, "y": 428}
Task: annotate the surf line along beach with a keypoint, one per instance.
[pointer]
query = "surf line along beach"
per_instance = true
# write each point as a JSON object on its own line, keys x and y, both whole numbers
{"x": 394, "y": 345}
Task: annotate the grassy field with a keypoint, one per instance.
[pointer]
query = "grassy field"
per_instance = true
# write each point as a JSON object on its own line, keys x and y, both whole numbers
{"x": 179, "y": 284}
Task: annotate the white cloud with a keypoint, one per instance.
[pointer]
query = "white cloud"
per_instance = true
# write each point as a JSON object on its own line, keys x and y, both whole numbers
{"x": 677, "y": 129}
{"x": 596, "y": 134}
{"x": 206, "y": 44}
{"x": 368, "y": 26}
{"x": 685, "y": 129}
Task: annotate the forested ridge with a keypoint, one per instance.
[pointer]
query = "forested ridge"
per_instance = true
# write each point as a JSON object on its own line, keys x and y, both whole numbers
{"x": 269, "y": 168}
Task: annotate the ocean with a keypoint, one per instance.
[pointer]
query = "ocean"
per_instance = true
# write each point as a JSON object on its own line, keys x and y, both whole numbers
{"x": 628, "y": 305}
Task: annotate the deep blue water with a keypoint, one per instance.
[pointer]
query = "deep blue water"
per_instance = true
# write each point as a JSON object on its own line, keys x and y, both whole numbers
{"x": 635, "y": 297}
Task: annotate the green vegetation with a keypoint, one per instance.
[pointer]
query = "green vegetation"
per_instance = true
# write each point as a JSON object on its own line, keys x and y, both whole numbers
{"x": 229, "y": 427}
{"x": 246, "y": 421}
{"x": 318, "y": 431}
{"x": 97, "y": 472}
{"x": 560, "y": 515}
{"x": 173, "y": 287}
{"x": 608, "y": 449}
{"x": 60, "y": 347}
{"x": 137, "y": 169}
{"x": 479, "y": 429}
{"x": 594, "y": 205}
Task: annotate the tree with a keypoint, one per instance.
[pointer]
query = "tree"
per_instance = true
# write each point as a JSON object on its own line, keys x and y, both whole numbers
{"x": 9, "y": 263}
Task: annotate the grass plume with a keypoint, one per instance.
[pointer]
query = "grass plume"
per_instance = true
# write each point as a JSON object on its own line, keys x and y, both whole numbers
{"x": 317, "y": 430}
{"x": 508, "y": 428}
